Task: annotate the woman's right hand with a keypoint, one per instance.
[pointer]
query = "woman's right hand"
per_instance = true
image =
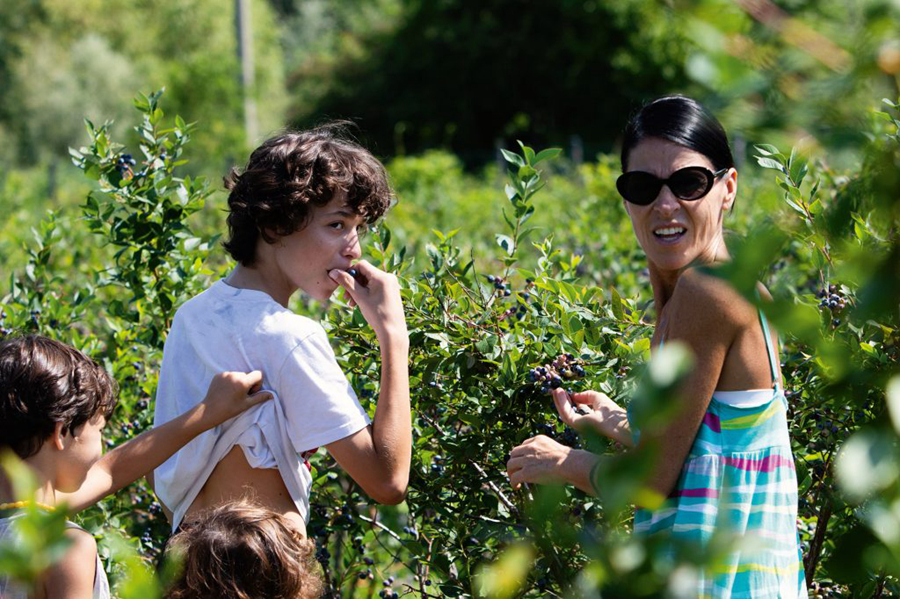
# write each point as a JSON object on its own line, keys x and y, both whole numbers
{"x": 377, "y": 294}
{"x": 601, "y": 414}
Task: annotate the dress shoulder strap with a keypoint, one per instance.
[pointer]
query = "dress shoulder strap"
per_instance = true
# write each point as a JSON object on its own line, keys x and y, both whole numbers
{"x": 773, "y": 367}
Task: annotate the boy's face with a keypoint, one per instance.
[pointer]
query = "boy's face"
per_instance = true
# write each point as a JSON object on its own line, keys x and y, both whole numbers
{"x": 330, "y": 240}
{"x": 82, "y": 448}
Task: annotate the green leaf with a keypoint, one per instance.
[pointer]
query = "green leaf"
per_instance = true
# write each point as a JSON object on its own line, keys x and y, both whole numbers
{"x": 513, "y": 158}
{"x": 548, "y": 154}
{"x": 867, "y": 462}
{"x": 505, "y": 242}
{"x": 770, "y": 163}
{"x": 768, "y": 150}
{"x": 893, "y": 401}
{"x": 505, "y": 578}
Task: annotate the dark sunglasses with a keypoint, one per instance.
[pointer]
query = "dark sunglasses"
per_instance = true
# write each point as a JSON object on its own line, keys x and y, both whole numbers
{"x": 690, "y": 183}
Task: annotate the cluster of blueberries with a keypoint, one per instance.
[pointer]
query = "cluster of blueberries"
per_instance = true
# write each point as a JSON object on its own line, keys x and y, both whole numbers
{"x": 387, "y": 592}
{"x": 437, "y": 465}
{"x": 124, "y": 164}
{"x": 568, "y": 437}
{"x": 553, "y": 375}
{"x": 832, "y": 299}
{"x": 3, "y": 330}
{"x": 500, "y": 285}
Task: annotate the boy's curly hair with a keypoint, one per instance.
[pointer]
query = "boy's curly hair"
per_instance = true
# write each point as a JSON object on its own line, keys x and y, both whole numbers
{"x": 44, "y": 382}
{"x": 289, "y": 174}
{"x": 241, "y": 550}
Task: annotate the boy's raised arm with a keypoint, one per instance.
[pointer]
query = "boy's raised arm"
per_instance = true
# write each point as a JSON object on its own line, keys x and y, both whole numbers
{"x": 228, "y": 396}
{"x": 378, "y": 457}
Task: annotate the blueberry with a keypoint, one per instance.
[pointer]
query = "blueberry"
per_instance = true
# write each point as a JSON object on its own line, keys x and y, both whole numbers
{"x": 836, "y": 321}
{"x": 362, "y": 575}
{"x": 369, "y": 561}
{"x": 507, "y": 292}
{"x": 395, "y": 595}
{"x": 525, "y": 295}
{"x": 491, "y": 278}
{"x": 529, "y": 281}
{"x": 352, "y": 272}
{"x": 556, "y": 382}
{"x": 386, "y": 583}
{"x": 391, "y": 579}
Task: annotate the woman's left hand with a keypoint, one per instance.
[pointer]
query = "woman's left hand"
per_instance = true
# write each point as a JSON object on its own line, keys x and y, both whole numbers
{"x": 537, "y": 460}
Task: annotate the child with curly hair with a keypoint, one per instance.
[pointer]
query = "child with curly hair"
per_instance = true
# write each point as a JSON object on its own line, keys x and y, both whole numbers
{"x": 241, "y": 550}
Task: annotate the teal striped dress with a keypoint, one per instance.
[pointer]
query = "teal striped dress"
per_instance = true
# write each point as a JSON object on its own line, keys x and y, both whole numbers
{"x": 739, "y": 479}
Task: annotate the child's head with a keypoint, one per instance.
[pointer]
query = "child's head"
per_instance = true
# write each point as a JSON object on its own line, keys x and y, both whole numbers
{"x": 289, "y": 176}
{"x": 53, "y": 393}
{"x": 240, "y": 550}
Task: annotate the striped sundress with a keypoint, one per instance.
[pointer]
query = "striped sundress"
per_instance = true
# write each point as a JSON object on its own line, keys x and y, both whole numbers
{"x": 739, "y": 479}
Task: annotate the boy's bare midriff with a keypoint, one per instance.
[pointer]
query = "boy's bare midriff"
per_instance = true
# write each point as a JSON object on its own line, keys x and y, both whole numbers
{"x": 234, "y": 478}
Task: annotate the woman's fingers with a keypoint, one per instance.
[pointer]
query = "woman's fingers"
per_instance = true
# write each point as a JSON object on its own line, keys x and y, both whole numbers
{"x": 584, "y": 397}
{"x": 564, "y": 406}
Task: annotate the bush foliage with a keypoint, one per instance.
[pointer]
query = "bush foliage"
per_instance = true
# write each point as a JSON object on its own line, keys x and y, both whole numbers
{"x": 486, "y": 303}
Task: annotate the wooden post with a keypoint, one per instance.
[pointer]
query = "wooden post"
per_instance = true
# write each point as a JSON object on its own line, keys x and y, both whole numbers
{"x": 245, "y": 54}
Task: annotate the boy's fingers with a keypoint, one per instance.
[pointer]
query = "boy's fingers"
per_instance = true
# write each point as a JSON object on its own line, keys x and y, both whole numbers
{"x": 343, "y": 279}
{"x": 365, "y": 268}
{"x": 349, "y": 299}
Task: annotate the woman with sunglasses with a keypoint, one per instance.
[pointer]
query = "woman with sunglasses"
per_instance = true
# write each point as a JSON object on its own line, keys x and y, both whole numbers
{"x": 724, "y": 461}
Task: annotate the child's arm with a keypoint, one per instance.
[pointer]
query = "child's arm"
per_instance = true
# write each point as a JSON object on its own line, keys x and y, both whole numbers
{"x": 227, "y": 397}
{"x": 378, "y": 457}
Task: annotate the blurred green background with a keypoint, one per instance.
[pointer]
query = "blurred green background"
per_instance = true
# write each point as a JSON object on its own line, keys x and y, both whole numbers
{"x": 435, "y": 87}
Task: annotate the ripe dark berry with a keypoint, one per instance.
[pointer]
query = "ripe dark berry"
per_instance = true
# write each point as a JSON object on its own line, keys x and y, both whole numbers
{"x": 507, "y": 292}
{"x": 352, "y": 272}
{"x": 369, "y": 561}
{"x": 556, "y": 382}
{"x": 362, "y": 575}
{"x": 491, "y": 278}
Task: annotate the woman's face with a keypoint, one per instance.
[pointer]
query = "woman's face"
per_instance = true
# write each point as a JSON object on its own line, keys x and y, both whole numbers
{"x": 674, "y": 233}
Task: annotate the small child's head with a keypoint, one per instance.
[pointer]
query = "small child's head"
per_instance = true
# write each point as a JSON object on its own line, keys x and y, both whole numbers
{"x": 289, "y": 176}
{"x": 241, "y": 550}
{"x": 53, "y": 399}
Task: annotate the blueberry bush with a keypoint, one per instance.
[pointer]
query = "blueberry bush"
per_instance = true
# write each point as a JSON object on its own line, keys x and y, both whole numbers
{"x": 545, "y": 295}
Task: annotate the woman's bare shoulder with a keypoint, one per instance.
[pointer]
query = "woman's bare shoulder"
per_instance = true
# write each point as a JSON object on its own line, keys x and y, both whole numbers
{"x": 700, "y": 296}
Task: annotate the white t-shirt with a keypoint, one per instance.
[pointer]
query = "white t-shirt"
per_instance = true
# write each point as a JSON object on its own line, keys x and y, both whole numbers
{"x": 226, "y": 328}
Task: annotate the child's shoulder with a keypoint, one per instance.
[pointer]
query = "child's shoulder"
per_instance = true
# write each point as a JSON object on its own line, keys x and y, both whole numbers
{"x": 77, "y": 568}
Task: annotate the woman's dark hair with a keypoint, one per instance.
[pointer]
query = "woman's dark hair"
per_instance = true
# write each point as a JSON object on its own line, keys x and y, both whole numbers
{"x": 289, "y": 174}
{"x": 43, "y": 382}
{"x": 682, "y": 121}
{"x": 241, "y": 550}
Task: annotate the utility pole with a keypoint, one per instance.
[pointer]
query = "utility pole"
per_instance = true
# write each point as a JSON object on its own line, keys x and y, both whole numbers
{"x": 245, "y": 54}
